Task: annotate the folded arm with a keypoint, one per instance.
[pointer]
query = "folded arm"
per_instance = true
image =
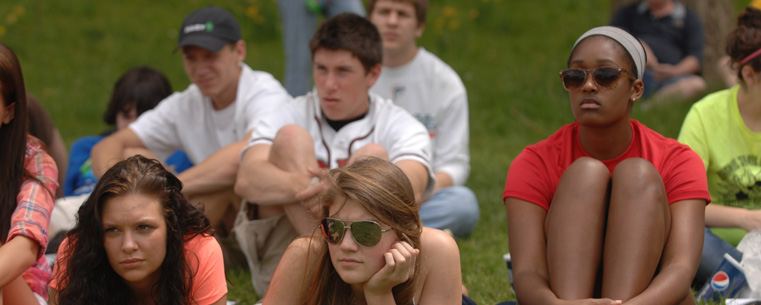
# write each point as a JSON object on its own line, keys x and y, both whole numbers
{"x": 16, "y": 256}
{"x": 527, "y": 241}
{"x": 263, "y": 182}
{"x": 732, "y": 217}
{"x": 111, "y": 150}
{"x": 418, "y": 175}
{"x": 216, "y": 173}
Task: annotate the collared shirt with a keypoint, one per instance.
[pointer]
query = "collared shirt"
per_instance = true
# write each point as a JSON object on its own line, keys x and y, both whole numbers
{"x": 31, "y": 218}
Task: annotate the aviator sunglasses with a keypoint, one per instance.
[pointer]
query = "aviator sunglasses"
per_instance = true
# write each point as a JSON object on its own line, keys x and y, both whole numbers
{"x": 604, "y": 77}
{"x": 366, "y": 233}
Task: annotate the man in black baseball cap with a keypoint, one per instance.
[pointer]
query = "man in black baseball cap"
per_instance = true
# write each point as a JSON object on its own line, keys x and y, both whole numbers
{"x": 210, "y": 28}
{"x": 211, "y": 120}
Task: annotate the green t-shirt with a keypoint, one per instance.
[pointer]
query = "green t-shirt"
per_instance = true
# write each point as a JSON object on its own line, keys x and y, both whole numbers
{"x": 730, "y": 151}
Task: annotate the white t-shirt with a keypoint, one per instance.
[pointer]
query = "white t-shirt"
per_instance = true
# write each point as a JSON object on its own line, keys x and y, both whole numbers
{"x": 386, "y": 124}
{"x": 187, "y": 120}
{"x": 434, "y": 94}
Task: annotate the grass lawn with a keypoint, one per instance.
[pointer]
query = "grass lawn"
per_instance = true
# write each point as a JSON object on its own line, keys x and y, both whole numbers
{"x": 508, "y": 54}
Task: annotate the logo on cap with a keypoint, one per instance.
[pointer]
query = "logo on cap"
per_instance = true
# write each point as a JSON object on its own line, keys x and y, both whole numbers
{"x": 720, "y": 281}
{"x": 209, "y": 26}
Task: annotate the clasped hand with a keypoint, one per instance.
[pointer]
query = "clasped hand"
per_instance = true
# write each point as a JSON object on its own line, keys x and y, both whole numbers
{"x": 400, "y": 267}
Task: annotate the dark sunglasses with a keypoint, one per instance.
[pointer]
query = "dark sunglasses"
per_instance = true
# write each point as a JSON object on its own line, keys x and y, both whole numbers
{"x": 366, "y": 233}
{"x": 604, "y": 77}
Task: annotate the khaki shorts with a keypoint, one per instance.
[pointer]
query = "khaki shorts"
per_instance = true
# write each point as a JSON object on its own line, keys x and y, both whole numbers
{"x": 263, "y": 242}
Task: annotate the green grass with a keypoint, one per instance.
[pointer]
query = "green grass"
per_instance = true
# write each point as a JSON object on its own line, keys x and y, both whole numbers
{"x": 508, "y": 54}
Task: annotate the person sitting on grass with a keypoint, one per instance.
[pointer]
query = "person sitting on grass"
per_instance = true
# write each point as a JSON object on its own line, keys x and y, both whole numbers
{"x": 28, "y": 182}
{"x": 139, "y": 241}
{"x": 433, "y": 93}
{"x": 373, "y": 248}
{"x": 673, "y": 36}
{"x": 328, "y": 128}
{"x": 137, "y": 91}
{"x": 606, "y": 210}
{"x": 211, "y": 120}
{"x": 724, "y": 129}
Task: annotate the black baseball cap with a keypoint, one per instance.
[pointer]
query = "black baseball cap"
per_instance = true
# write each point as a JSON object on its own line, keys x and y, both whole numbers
{"x": 210, "y": 28}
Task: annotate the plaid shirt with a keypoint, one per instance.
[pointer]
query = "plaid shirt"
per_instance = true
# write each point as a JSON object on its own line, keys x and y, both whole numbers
{"x": 31, "y": 218}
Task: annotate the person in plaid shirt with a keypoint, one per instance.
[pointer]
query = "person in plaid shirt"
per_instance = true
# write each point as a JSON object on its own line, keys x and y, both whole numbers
{"x": 28, "y": 180}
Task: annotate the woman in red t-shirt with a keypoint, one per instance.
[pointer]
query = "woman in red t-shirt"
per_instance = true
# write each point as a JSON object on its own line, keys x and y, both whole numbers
{"x": 605, "y": 211}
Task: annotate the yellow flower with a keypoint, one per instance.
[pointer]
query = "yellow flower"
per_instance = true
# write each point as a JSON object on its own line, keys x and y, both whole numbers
{"x": 448, "y": 11}
{"x": 252, "y": 12}
{"x": 19, "y": 10}
{"x": 454, "y": 24}
{"x": 11, "y": 19}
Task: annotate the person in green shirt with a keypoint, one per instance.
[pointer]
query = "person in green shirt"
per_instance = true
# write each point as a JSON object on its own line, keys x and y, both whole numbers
{"x": 724, "y": 128}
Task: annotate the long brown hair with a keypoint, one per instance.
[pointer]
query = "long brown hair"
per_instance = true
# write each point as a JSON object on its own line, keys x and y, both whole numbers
{"x": 385, "y": 192}
{"x": 12, "y": 135}
{"x": 89, "y": 278}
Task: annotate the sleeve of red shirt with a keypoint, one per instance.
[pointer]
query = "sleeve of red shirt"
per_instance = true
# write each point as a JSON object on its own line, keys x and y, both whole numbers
{"x": 527, "y": 180}
{"x": 686, "y": 176}
{"x": 205, "y": 258}
{"x": 60, "y": 265}
{"x": 35, "y": 200}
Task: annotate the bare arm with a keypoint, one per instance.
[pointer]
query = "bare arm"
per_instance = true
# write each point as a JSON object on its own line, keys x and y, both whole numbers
{"x": 263, "y": 182}
{"x": 418, "y": 175}
{"x": 525, "y": 222}
{"x": 110, "y": 150}
{"x": 688, "y": 65}
{"x": 680, "y": 257}
{"x": 443, "y": 179}
{"x": 16, "y": 256}
{"x": 441, "y": 259}
{"x": 732, "y": 217}
{"x": 216, "y": 173}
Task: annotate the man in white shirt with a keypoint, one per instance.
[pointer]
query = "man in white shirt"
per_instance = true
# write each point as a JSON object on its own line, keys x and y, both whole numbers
{"x": 211, "y": 120}
{"x": 332, "y": 125}
{"x": 329, "y": 127}
{"x": 433, "y": 93}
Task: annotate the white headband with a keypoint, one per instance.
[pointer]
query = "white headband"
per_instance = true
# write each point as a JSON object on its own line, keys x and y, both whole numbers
{"x": 626, "y": 40}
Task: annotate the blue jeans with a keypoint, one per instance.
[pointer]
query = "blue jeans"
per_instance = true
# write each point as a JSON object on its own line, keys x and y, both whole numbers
{"x": 454, "y": 208}
{"x": 652, "y": 85}
{"x": 713, "y": 254}
{"x": 299, "y": 24}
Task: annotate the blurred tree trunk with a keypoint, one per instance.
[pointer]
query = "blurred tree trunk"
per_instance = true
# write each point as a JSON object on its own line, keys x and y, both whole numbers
{"x": 718, "y": 18}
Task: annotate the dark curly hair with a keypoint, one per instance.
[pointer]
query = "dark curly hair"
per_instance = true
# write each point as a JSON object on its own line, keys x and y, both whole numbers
{"x": 745, "y": 40}
{"x": 89, "y": 278}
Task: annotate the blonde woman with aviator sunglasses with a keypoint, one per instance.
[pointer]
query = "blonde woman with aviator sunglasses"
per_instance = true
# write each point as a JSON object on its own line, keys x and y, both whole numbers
{"x": 373, "y": 248}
